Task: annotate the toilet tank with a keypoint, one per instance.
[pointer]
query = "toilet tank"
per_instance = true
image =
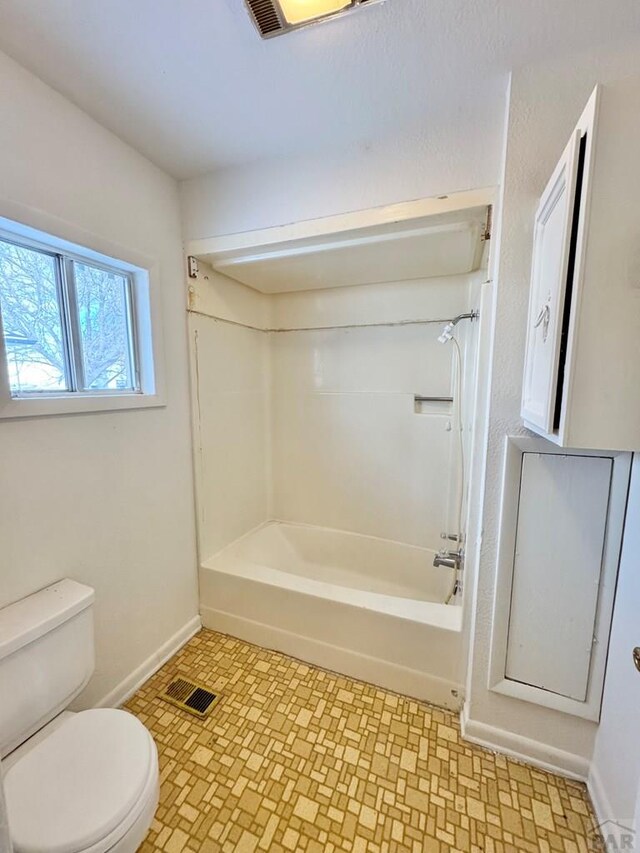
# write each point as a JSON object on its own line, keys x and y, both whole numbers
{"x": 46, "y": 657}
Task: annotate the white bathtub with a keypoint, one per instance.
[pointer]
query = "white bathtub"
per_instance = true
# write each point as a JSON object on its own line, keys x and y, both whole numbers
{"x": 367, "y": 607}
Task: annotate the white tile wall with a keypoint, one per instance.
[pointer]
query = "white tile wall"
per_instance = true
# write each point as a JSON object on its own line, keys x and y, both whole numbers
{"x": 231, "y": 430}
{"x": 390, "y": 360}
{"x": 428, "y": 298}
{"x": 360, "y": 461}
{"x": 216, "y": 295}
{"x": 348, "y": 449}
{"x": 320, "y": 427}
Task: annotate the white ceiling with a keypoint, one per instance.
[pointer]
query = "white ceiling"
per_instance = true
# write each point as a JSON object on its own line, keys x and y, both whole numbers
{"x": 190, "y": 84}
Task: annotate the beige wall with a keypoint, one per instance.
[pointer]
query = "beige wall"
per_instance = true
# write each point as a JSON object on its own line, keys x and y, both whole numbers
{"x": 103, "y": 498}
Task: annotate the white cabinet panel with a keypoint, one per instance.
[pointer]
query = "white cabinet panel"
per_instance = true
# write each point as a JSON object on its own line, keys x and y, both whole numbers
{"x": 558, "y": 559}
{"x": 579, "y": 386}
{"x": 560, "y": 536}
{"x": 551, "y": 254}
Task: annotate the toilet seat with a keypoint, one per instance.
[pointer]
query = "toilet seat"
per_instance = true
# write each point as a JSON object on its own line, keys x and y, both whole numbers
{"x": 84, "y": 786}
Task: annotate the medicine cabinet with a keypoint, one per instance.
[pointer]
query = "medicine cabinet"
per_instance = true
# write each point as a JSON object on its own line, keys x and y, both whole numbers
{"x": 582, "y": 365}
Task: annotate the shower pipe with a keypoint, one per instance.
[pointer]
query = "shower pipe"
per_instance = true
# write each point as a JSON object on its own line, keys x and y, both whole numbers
{"x": 470, "y": 315}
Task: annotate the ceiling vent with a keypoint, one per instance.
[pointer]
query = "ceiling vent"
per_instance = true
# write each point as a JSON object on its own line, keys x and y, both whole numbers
{"x": 266, "y": 17}
{"x": 270, "y": 16}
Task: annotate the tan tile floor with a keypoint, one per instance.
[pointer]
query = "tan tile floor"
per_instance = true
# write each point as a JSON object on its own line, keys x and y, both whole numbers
{"x": 295, "y": 758}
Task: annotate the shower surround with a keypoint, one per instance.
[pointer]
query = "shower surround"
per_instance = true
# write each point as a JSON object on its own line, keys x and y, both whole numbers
{"x": 322, "y": 485}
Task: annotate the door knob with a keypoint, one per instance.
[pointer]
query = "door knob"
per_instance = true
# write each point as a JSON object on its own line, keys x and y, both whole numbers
{"x": 636, "y": 657}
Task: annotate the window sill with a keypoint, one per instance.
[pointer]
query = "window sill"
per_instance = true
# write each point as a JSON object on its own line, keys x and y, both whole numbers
{"x": 69, "y": 404}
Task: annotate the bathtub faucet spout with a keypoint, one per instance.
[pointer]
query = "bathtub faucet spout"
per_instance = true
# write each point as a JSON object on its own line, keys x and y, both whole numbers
{"x": 449, "y": 559}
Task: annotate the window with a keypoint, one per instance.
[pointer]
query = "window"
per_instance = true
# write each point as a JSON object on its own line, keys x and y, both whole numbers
{"x": 76, "y": 326}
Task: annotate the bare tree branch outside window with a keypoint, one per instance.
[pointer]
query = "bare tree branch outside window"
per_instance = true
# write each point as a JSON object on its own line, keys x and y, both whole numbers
{"x": 34, "y": 329}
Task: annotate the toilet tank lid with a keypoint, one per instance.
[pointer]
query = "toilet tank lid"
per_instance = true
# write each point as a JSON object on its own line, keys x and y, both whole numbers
{"x": 31, "y": 617}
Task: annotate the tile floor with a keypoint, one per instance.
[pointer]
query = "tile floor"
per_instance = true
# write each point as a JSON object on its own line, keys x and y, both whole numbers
{"x": 298, "y": 759}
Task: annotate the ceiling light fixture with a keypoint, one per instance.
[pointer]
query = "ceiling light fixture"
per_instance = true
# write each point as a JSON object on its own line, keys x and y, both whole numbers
{"x": 274, "y": 17}
{"x": 301, "y": 11}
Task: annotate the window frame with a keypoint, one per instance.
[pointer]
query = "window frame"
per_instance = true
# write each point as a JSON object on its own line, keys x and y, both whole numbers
{"x": 142, "y": 320}
{"x": 70, "y": 297}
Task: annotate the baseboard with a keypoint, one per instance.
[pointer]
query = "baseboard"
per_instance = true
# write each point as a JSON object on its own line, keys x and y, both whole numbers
{"x": 399, "y": 679}
{"x": 524, "y": 749}
{"x": 619, "y": 832}
{"x": 152, "y": 664}
{"x": 600, "y": 800}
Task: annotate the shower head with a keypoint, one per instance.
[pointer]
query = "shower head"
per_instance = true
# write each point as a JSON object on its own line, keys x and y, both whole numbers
{"x": 446, "y": 334}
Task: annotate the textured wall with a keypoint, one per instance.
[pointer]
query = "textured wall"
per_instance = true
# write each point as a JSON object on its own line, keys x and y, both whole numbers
{"x": 449, "y": 157}
{"x": 545, "y": 103}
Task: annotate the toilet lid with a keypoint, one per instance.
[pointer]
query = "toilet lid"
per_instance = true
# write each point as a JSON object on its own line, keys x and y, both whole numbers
{"x": 79, "y": 783}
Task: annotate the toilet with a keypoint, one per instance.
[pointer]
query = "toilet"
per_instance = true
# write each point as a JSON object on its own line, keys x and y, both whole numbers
{"x": 84, "y": 782}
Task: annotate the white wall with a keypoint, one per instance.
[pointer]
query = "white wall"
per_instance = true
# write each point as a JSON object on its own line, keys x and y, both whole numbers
{"x": 349, "y": 450}
{"x": 614, "y": 780}
{"x": 231, "y": 408}
{"x": 319, "y": 427}
{"x": 545, "y": 103}
{"x": 448, "y": 158}
{"x": 104, "y": 498}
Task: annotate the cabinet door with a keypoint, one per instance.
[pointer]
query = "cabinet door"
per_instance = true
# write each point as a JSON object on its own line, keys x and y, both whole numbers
{"x": 550, "y": 265}
{"x": 560, "y": 535}
{"x": 561, "y": 526}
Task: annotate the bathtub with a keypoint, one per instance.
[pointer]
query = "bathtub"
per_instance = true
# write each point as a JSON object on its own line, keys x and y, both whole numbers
{"x": 366, "y": 607}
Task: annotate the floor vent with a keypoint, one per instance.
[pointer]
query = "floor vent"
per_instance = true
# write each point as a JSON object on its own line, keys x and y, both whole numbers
{"x": 190, "y": 697}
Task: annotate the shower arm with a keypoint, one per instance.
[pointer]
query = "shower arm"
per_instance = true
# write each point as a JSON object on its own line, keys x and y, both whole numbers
{"x": 470, "y": 315}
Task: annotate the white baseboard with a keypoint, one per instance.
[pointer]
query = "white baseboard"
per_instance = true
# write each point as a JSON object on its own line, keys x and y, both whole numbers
{"x": 152, "y": 664}
{"x": 524, "y": 749}
{"x": 399, "y": 679}
{"x": 600, "y": 800}
{"x": 620, "y": 832}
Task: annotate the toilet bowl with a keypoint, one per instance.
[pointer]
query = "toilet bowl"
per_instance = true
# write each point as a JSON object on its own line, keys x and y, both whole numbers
{"x": 89, "y": 785}
{"x": 84, "y": 782}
